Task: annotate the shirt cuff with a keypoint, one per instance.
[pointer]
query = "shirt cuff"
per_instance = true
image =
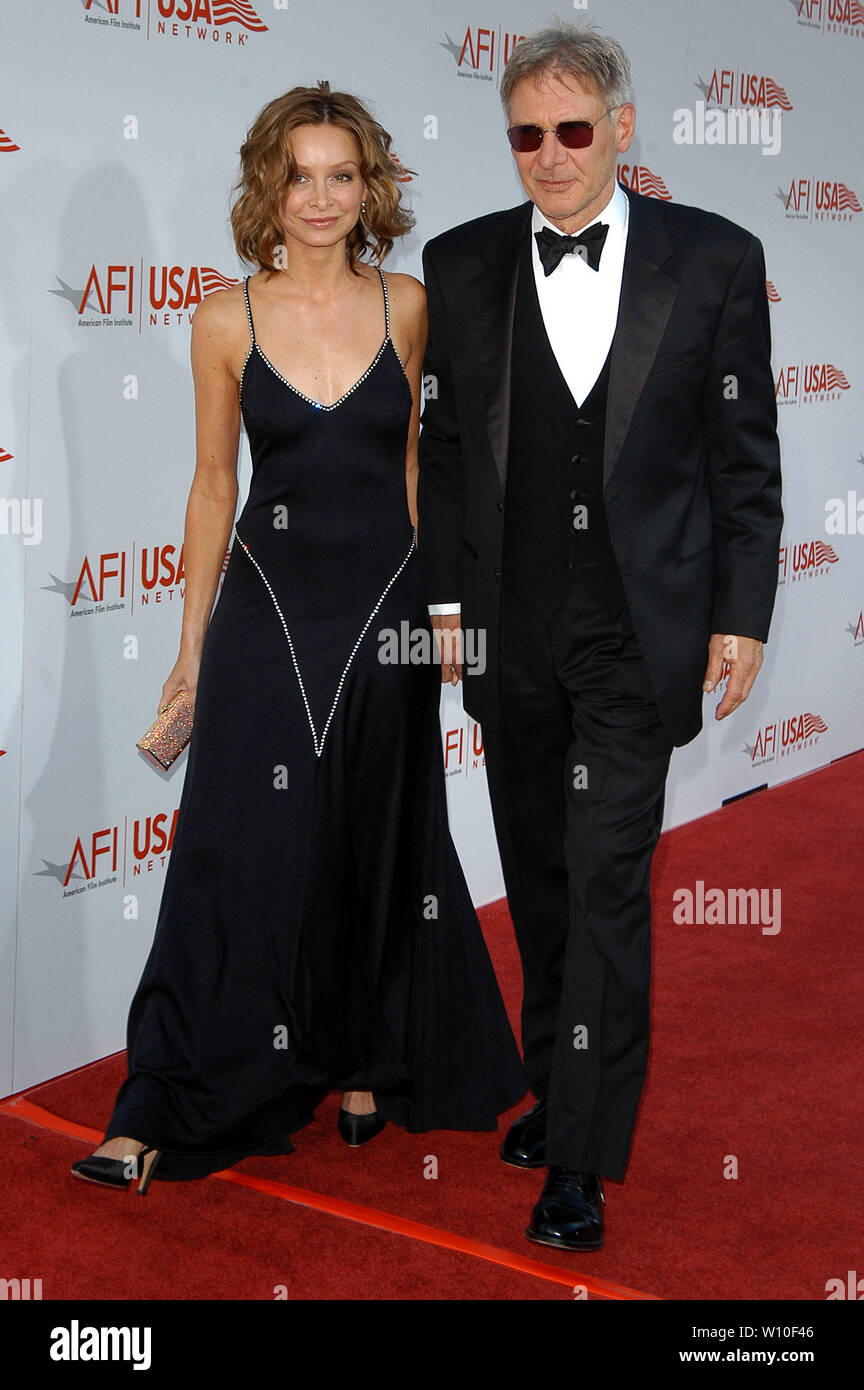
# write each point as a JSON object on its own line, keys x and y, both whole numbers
{"x": 436, "y": 609}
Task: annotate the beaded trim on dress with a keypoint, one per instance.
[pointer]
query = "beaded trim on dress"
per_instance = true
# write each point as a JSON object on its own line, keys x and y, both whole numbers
{"x": 318, "y": 744}
{"x": 255, "y": 346}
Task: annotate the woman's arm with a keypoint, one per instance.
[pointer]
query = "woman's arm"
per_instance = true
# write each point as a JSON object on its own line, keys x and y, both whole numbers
{"x": 410, "y": 330}
{"x": 213, "y": 495}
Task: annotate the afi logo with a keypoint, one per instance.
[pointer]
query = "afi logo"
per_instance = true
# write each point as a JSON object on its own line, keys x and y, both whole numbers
{"x": 94, "y": 577}
{"x": 101, "y": 842}
{"x": 116, "y": 283}
{"x": 482, "y": 52}
{"x": 797, "y": 200}
{"x": 786, "y": 389}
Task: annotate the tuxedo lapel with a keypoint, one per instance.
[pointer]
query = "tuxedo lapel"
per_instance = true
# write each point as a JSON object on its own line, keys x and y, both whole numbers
{"x": 492, "y": 298}
{"x": 647, "y": 295}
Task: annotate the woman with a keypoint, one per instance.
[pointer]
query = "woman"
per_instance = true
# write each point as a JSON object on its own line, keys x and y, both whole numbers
{"x": 315, "y": 931}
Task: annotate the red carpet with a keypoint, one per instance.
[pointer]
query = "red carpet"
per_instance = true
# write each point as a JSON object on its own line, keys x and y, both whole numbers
{"x": 754, "y": 1065}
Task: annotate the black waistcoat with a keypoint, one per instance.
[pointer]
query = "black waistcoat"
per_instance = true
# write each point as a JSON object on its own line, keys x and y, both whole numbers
{"x": 555, "y": 516}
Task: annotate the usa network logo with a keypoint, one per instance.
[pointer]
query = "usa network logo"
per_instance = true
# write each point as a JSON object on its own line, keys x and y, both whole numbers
{"x": 810, "y": 383}
{"x": 482, "y": 53}
{"x": 831, "y": 16}
{"x": 805, "y": 560}
{"x": 226, "y": 22}
{"x": 785, "y": 737}
{"x": 819, "y": 200}
{"x": 642, "y": 180}
{"x": 118, "y": 295}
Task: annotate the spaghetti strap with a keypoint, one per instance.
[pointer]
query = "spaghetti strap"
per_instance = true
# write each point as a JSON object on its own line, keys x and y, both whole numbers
{"x": 386, "y": 305}
{"x": 249, "y": 307}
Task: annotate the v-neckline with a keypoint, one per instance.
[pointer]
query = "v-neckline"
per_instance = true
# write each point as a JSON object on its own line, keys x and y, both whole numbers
{"x": 319, "y": 405}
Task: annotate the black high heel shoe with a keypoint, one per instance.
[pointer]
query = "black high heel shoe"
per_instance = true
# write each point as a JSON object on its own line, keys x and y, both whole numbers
{"x": 359, "y": 1129}
{"x": 114, "y": 1172}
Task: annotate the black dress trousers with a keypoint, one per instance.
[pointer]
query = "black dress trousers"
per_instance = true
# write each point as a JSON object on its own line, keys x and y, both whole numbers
{"x": 576, "y": 773}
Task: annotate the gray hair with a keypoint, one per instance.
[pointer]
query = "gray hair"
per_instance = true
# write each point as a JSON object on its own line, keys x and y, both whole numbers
{"x": 574, "y": 50}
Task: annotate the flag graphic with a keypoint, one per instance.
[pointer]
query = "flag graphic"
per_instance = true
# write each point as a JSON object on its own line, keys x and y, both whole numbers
{"x": 652, "y": 185}
{"x": 775, "y": 95}
{"x": 824, "y": 554}
{"x": 814, "y": 724}
{"x": 237, "y": 12}
{"x": 214, "y": 280}
{"x": 836, "y": 381}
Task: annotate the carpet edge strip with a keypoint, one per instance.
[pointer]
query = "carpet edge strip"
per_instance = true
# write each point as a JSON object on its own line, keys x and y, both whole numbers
{"x": 22, "y": 1109}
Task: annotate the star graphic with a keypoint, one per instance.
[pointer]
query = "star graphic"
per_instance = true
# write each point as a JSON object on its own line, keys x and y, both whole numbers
{"x": 860, "y": 458}
{"x": 64, "y": 587}
{"x": 851, "y": 627}
{"x": 784, "y": 197}
{"x": 74, "y": 296}
{"x": 704, "y": 87}
{"x": 749, "y": 749}
{"x": 58, "y": 871}
{"x": 451, "y": 47}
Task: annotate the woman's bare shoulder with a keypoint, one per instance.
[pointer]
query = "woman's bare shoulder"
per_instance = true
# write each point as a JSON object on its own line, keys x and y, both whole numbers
{"x": 221, "y": 309}
{"x": 406, "y": 289}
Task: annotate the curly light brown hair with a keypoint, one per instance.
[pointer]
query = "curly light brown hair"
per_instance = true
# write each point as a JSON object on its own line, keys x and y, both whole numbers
{"x": 268, "y": 169}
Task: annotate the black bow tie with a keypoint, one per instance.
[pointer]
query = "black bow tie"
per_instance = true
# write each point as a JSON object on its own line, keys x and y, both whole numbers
{"x": 588, "y": 244}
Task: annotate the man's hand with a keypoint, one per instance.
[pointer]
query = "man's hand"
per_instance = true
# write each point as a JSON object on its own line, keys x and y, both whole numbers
{"x": 448, "y": 635}
{"x": 744, "y": 655}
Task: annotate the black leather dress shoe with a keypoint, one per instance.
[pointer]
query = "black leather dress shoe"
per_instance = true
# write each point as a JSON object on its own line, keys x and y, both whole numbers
{"x": 525, "y": 1142}
{"x": 569, "y": 1214}
{"x": 359, "y": 1129}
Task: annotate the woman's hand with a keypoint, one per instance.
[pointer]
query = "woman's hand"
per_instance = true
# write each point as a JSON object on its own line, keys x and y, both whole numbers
{"x": 184, "y": 676}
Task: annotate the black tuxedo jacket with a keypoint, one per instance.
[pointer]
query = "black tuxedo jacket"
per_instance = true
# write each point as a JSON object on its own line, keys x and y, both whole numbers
{"x": 691, "y": 462}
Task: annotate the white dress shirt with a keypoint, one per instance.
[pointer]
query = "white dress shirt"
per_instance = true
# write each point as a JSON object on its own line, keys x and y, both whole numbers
{"x": 579, "y": 306}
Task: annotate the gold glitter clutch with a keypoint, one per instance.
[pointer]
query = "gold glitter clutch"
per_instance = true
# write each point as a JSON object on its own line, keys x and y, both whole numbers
{"x": 168, "y": 735}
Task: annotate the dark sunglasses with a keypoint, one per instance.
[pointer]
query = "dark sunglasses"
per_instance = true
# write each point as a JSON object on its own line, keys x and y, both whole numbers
{"x": 574, "y": 135}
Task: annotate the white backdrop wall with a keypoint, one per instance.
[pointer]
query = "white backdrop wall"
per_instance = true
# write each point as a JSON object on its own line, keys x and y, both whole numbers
{"x": 120, "y": 123}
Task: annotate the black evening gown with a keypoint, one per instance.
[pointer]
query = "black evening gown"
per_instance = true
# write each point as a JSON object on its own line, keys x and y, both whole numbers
{"x": 315, "y": 931}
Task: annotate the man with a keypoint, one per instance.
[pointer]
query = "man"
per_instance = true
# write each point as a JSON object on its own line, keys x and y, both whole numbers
{"x": 600, "y": 491}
